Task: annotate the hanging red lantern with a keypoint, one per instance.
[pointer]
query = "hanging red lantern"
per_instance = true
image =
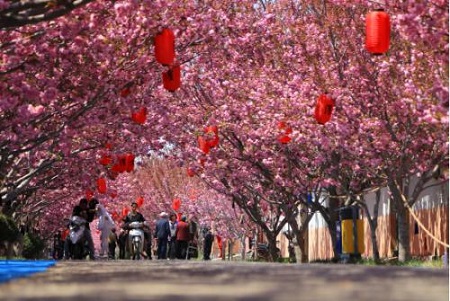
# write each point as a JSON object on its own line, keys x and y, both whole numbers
{"x": 89, "y": 194}
{"x": 115, "y": 215}
{"x": 212, "y": 129}
{"x": 203, "y": 144}
{"x": 140, "y": 116}
{"x": 129, "y": 162}
{"x": 281, "y": 125}
{"x": 286, "y": 130}
{"x": 190, "y": 172}
{"x": 212, "y": 136}
{"x": 116, "y": 168}
{"x": 284, "y": 139}
{"x": 125, "y": 211}
{"x": 324, "y": 109}
{"x": 122, "y": 161}
{"x": 172, "y": 78}
{"x": 125, "y": 92}
{"x": 165, "y": 47}
{"x": 378, "y": 32}
{"x": 140, "y": 201}
{"x": 101, "y": 185}
{"x": 176, "y": 204}
{"x": 113, "y": 194}
{"x": 105, "y": 160}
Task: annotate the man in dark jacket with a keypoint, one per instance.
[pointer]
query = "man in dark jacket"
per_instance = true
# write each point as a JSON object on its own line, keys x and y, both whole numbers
{"x": 133, "y": 216}
{"x": 162, "y": 234}
{"x": 207, "y": 243}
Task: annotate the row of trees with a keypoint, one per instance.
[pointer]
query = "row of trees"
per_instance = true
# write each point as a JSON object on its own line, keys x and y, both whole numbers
{"x": 246, "y": 66}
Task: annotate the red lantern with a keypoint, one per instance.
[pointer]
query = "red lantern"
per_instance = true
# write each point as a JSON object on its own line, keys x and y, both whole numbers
{"x": 89, "y": 194}
{"x": 125, "y": 211}
{"x": 105, "y": 160}
{"x": 284, "y": 139}
{"x": 212, "y": 129}
{"x": 172, "y": 78}
{"x": 101, "y": 185}
{"x": 113, "y": 194}
{"x": 378, "y": 32}
{"x": 190, "y": 172}
{"x": 122, "y": 162}
{"x": 165, "y": 47}
{"x": 203, "y": 144}
{"x": 176, "y": 204}
{"x": 140, "y": 116}
{"x": 115, "y": 215}
{"x": 324, "y": 109}
{"x": 140, "y": 201}
{"x": 282, "y": 125}
{"x": 179, "y": 215}
{"x": 125, "y": 92}
{"x": 212, "y": 134}
{"x": 108, "y": 145}
{"x": 129, "y": 162}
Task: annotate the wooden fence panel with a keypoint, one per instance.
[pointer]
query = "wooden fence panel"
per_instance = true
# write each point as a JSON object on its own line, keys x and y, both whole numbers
{"x": 436, "y": 220}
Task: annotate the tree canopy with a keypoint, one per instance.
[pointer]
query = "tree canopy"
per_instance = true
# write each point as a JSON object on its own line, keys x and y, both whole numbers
{"x": 70, "y": 83}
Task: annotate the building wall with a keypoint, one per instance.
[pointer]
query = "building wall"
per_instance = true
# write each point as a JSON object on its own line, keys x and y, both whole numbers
{"x": 432, "y": 209}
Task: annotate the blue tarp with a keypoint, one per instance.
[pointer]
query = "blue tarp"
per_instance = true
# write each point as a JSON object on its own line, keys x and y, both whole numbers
{"x": 11, "y": 269}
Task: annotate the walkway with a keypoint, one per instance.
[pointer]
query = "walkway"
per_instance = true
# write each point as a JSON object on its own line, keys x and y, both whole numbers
{"x": 211, "y": 281}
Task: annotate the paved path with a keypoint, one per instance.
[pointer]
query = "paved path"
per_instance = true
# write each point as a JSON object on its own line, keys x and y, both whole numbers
{"x": 211, "y": 281}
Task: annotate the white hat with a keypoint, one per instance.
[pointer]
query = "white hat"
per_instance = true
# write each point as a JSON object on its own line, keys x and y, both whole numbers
{"x": 163, "y": 214}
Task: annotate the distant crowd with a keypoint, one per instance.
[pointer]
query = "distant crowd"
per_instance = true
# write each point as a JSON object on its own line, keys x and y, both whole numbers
{"x": 173, "y": 238}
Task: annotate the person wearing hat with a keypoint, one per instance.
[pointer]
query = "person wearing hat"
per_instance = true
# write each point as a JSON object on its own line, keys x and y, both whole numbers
{"x": 162, "y": 234}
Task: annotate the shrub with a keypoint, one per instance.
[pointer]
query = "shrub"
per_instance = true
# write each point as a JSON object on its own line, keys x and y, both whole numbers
{"x": 33, "y": 246}
{"x": 8, "y": 229}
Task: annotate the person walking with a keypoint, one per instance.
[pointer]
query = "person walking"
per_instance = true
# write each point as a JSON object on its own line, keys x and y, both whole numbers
{"x": 123, "y": 237}
{"x": 162, "y": 234}
{"x": 173, "y": 237}
{"x": 208, "y": 239}
{"x": 192, "y": 248}
{"x": 182, "y": 238}
{"x": 112, "y": 244}
{"x": 105, "y": 225}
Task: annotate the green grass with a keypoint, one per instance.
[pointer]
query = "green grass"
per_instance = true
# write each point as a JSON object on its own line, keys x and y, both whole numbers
{"x": 435, "y": 263}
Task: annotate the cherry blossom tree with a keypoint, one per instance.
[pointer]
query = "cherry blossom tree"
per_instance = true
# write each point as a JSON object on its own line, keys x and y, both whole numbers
{"x": 71, "y": 84}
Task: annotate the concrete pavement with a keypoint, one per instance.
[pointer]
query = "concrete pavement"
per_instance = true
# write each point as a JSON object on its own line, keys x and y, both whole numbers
{"x": 217, "y": 280}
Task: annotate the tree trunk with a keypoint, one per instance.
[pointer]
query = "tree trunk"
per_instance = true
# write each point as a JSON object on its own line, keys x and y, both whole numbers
{"x": 373, "y": 236}
{"x": 404, "y": 252}
{"x": 243, "y": 247}
{"x": 396, "y": 189}
{"x": 273, "y": 250}
{"x": 373, "y": 224}
{"x": 300, "y": 245}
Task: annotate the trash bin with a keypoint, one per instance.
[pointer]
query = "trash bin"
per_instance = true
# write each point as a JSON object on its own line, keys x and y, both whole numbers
{"x": 352, "y": 232}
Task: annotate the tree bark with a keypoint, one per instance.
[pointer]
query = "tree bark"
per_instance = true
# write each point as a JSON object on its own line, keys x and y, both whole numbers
{"x": 404, "y": 252}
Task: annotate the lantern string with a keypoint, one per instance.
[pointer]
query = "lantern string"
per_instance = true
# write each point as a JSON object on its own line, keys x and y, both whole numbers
{"x": 411, "y": 211}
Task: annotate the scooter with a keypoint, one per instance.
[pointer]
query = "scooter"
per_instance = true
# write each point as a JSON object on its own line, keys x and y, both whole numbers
{"x": 136, "y": 235}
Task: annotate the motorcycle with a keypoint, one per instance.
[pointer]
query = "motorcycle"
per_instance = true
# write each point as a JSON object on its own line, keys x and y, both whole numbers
{"x": 136, "y": 236}
{"x": 79, "y": 249}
